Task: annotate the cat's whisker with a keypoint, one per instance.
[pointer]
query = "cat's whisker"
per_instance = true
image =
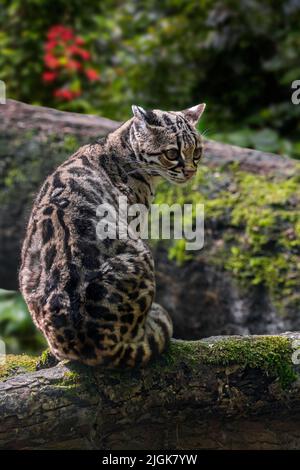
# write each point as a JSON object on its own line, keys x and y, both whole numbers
{"x": 205, "y": 132}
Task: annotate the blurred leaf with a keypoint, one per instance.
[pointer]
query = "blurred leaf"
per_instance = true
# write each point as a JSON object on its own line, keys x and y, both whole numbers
{"x": 16, "y": 326}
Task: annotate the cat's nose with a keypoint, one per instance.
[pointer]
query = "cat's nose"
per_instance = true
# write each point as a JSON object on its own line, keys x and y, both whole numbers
{"x": 189, "y": 172}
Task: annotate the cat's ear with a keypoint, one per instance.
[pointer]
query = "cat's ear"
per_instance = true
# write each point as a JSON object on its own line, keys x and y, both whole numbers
{"x": 139, "y": 112}
{"x": 146, "y": 117}
{"x": 194, "y": 114}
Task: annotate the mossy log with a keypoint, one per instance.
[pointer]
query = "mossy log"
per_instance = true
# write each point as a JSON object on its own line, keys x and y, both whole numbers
{"x": 33, "y": 140}
{"x": 217, "y": 393}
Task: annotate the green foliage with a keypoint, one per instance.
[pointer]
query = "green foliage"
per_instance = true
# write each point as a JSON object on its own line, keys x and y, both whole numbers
{"x": 16, "y": 327}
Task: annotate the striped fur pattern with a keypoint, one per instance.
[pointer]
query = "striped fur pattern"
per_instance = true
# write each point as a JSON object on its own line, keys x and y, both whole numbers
{"x": 92, "y": 299}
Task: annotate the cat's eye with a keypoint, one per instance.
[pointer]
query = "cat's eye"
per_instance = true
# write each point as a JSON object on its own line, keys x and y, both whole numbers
{"x": 197, "y": 154}
{"x": 171, "y": 154}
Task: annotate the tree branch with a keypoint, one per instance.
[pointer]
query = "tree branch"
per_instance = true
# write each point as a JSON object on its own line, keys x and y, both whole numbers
{"x": 222, "y": 392}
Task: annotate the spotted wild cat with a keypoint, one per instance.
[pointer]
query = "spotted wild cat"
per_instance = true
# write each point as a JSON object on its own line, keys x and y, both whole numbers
{"x": 93, "y": 299}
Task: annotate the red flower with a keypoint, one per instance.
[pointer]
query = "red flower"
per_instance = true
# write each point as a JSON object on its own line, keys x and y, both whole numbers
{"x": 51, "y": 61}
{"x": 85, "y": 55}
{"x": 73, "y": 49}
{"x": 64, "y": 57}
{"x": 55, "y": 31}
{"x": 50, "y": 45}
{"x": 67, "y": 34}
{"x": 60, "y": 31}
{"x": 73, "y": 65}
{"x": 92, "y": 75}
{"x": 79, "y": 41}
{"x": 49, "y": 76}
{"x": 63, "y": 94}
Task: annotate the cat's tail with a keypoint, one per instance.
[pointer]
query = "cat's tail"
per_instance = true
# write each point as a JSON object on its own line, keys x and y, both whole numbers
{"x": 149, "y": 342}
{"x": 157, "y": 332}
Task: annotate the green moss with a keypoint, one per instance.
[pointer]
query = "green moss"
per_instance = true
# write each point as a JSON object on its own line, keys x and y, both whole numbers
{"x": 44, "y": 357}
{"x": 191, "y": 352}
{"x": 268, "y": 251}
{"x": 71, "y": 381}
{"x": 257, "y": 219}
{"x": 13, "y": 176}
{"x": 70, "y": 144}
{"x": 78, "y": 375}
{"x": 17, "y": 365}
{"x": 46, "y": 360}
{"x": 271, "y": 354}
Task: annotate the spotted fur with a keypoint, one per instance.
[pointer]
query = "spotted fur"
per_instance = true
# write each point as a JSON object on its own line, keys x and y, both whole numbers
{"x": 92, "y": 299}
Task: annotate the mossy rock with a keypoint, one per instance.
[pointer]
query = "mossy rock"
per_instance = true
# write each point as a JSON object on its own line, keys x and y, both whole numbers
{"x": 256, "y": 220}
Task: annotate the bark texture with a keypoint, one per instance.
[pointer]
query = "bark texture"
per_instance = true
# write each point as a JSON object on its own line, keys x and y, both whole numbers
{"x": 218, "y": 393}
{"x": 34, "y": 140}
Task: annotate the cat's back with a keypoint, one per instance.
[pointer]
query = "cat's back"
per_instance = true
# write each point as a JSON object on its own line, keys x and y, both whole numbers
{"x": 62, "y": 226}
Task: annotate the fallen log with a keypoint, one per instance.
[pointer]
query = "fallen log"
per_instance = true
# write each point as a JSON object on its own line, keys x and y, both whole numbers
{"x": 217, "y": 393}
{"x": 34, "y": 140}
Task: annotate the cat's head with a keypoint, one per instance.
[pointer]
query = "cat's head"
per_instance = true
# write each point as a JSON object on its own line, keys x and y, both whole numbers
{"x": 168, "y": 143}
